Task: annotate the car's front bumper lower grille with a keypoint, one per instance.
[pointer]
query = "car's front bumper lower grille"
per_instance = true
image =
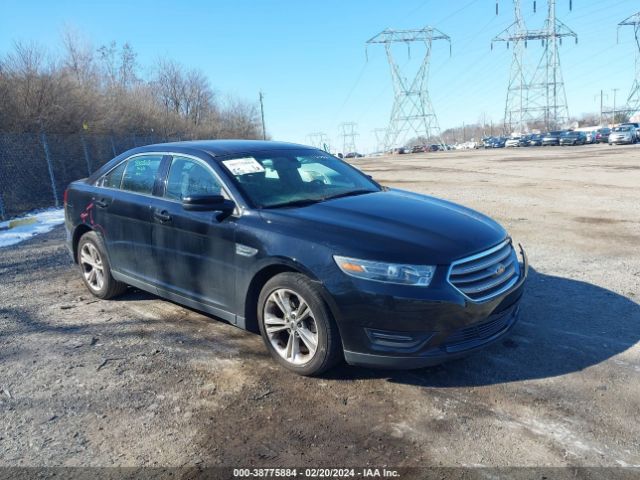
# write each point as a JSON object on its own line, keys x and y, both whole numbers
{"x": 475, "y": 335}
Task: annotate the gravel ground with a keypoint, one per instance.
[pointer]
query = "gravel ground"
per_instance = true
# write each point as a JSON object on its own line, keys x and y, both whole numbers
{"x": 140, "y": 381}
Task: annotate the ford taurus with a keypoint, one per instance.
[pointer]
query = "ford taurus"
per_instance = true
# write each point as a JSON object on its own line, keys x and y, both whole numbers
{"x": 291, "y": 242}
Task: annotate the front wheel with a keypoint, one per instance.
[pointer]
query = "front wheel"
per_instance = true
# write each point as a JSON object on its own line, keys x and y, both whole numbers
{"x": 297, "y": 326}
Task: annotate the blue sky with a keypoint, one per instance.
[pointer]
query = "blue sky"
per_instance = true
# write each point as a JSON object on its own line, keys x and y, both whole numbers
{"x": 308, "y": 56}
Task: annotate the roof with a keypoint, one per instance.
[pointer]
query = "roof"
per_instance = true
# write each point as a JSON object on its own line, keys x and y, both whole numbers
{"x": 213, "y": 148}
{"x": 227, "y": 147}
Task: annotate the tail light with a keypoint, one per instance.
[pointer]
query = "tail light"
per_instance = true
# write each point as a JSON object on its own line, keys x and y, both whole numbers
{"x": 65, "y": 195}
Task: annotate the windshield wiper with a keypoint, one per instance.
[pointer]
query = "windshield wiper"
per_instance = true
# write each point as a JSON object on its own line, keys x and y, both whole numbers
{"x": 352, "y": 193}
{"x": 310, "y": 201}
{"x": 296, "y": 203}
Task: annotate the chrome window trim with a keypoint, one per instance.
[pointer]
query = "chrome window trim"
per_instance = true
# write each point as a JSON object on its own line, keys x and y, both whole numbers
{"x": 482, "y": 254}
{"x": 99, "y": 181}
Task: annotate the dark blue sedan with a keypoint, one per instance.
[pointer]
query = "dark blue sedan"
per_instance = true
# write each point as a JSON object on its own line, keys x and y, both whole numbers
{"x": 294, "y": 243}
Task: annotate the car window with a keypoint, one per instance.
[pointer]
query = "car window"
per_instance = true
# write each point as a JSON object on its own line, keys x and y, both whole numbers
{"x": 189, "y": 177}
{"x": 140, "y": 173}
{"x": 113, "y": 179}
{"x": 279, "y": 178}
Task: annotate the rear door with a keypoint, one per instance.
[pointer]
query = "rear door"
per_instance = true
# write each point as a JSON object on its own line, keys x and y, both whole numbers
{"x": 129, "y": 217}
{"x": 194, "y": 252}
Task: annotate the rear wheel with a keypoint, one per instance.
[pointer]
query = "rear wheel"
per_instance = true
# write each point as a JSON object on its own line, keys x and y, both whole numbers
{"x": 95, "y": 268}
{"x": 297, "y": 326}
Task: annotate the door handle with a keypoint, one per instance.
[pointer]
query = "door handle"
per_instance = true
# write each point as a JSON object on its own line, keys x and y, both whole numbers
{"x": 101, "y": 203}
{"x": 162, "y": 216}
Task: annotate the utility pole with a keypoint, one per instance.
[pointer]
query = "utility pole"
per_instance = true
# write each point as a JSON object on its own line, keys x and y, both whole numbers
{"x": 613, "y": 120}
{"x": 602, "y": 95}
{"x": 264, "y": 129}
{"x": 601, "y": 104}
{"x": 412, "y": 112}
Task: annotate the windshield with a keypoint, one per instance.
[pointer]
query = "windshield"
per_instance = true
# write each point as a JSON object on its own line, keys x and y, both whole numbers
{"x": 296, "y": 177}
{"x": 622, "y": 129}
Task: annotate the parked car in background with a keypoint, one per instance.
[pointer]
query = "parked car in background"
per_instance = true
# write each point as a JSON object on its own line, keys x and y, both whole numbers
{"x": 513, "y": 142}
{"x": 551, "y": 138}
{"x": 635, "y": 126}
{"x": 497, "y": 142}
{"x": 325, "y": 270}
{"x": 353, "y": 155}
{"x": 603, "y": 135}
{"x": 573, "y": 138}
{"x": 419, "y": 149}
{"x": 623, "y": 135}
{"x": 535, "y": 140}
{"x": 591, "y": 136}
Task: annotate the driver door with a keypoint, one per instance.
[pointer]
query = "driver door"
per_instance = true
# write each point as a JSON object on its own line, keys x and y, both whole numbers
{"x": 194, "y": 252}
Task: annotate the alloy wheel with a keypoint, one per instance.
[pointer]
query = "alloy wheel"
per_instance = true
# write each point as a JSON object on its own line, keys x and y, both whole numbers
{"x": 92, "y": 267}
{"x": 290, "y": 326}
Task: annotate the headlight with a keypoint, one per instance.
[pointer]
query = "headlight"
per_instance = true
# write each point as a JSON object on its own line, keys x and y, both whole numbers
{"x": 419, "y": 275}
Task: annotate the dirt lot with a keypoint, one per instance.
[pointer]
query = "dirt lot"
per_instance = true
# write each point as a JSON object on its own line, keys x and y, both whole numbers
{"x": 139, "y": 381}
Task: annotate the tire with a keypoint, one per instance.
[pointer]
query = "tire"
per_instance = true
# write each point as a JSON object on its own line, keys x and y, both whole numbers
{"x": 290, "y": 339}
{"x": 92, "y": 257}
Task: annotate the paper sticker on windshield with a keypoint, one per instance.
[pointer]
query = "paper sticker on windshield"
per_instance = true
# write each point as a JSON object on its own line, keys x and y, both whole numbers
{"x": 243, "y": 166}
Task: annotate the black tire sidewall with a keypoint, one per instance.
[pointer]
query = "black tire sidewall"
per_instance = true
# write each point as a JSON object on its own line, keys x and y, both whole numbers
{"x": 328, "y": 336}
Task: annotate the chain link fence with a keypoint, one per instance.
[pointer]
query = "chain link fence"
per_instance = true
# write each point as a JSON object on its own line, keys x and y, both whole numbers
{"x": 35, "y": 168}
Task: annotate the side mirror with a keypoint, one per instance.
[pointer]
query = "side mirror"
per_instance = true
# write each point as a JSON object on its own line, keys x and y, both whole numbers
{"x": 208, "y": 203}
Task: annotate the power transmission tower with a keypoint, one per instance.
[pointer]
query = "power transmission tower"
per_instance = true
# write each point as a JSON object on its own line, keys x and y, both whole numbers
{"x": 549, "y": 72}
{"x": 543, "y": 96}
{"x": 517, "y": 113}
{"x": 319, "y": 140}
{"x": 348, "y": 132}
{"x": 633, "y": 101}
{"x": 379, "y": 134}
{"x": 412, "y": 112}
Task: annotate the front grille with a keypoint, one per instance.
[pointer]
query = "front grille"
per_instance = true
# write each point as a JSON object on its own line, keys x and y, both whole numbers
{"x": 487, "y": 274}
{"x": 475, "y": 335}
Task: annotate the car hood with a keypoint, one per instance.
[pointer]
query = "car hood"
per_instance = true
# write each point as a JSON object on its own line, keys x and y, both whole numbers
{"x": 391, "y": 225}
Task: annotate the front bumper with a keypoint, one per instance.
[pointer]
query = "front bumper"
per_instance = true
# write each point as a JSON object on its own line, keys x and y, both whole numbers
{"x": 620, "y": 141}
{"x": 404, "y": 333}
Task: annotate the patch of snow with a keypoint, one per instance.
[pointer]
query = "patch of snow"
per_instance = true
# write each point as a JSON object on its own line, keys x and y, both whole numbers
{"x": 44, "y": 222}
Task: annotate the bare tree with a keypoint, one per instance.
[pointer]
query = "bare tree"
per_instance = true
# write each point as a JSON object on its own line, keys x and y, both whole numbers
{"x": 101, "y": 91}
